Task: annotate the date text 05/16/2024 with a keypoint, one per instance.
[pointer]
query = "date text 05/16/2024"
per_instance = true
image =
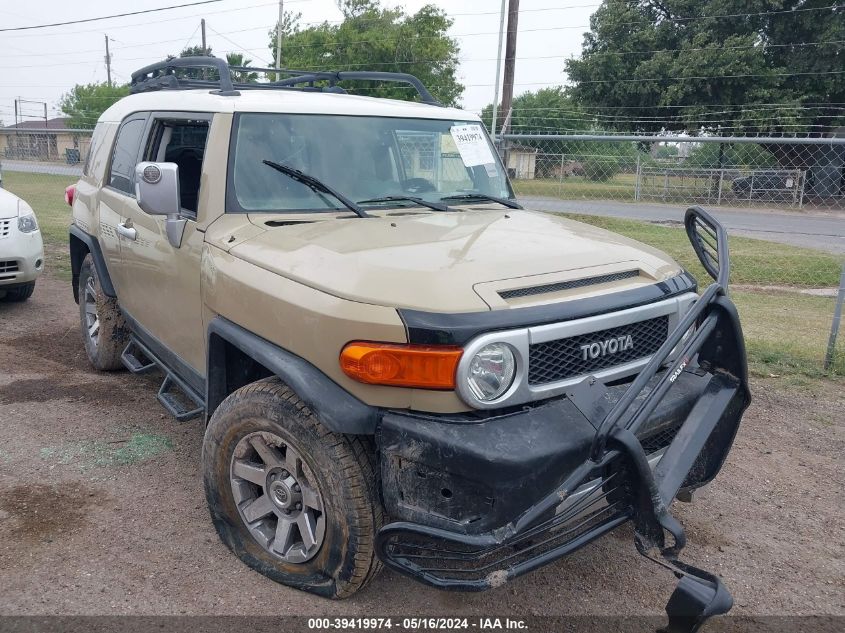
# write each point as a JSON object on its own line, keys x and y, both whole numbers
{"x": 417, "y": 624}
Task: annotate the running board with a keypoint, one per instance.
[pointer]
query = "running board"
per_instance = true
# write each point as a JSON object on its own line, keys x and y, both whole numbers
{"x": 182, "y": 402}
{"x": 136, "y": 358}
{"x": 178, "y": 397}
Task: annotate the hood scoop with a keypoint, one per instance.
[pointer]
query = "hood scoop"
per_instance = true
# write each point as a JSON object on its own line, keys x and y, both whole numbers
{"x": 567, "y": 285}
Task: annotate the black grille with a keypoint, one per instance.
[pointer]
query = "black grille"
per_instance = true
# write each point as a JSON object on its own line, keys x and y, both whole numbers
{"x": 568, "y": 285}
{"x": 654, "y": 441}
{"x": 564, "y": 358}
{"x": 10, "y": 266}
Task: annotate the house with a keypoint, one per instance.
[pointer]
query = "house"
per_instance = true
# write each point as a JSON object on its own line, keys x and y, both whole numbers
{"x": 49, "y": 140}
{"x": 522, "y": 162}
{"x": 565, "y": 168}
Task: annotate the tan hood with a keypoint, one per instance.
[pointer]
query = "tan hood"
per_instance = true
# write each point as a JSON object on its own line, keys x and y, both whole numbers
{"x": 446, "y": 262}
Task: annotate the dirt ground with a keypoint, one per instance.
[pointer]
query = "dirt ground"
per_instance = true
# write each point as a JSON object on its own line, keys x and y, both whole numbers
{"x": 102, "y": 510}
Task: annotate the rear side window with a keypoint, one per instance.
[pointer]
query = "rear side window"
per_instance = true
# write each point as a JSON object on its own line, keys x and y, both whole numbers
{"x": 181, "y": 141}
{"x": 125, "y": 156}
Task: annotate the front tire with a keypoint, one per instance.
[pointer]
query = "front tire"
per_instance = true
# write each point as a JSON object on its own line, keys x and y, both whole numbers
{"x": 293, "y": 500}
{"x": 20, "y": 293}
{"x": 102, "y": 324}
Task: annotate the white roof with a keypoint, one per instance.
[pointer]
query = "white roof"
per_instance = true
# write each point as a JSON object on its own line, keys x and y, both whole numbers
{"x": 286, "y": 101}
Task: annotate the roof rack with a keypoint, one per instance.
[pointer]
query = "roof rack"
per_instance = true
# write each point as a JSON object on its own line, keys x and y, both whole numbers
{"x": 166, "y": 75}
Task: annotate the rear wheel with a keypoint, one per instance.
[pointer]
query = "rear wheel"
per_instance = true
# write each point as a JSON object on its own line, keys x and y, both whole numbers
{"x": 290, "y": 498}
{"x": 20, "y": 293}
{"x": 102, "y": 324}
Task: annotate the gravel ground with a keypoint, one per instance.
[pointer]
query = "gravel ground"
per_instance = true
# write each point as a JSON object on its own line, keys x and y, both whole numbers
{"x": 102, "y": 510}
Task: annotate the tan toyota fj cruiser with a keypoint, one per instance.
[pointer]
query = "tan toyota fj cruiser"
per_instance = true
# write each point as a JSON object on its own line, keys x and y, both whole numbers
{"x": 396, "y": 362}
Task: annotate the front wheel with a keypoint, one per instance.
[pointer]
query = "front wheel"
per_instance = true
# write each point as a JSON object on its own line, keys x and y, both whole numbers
{"x": 103, "y": 326}
{"x": 290, "y": 498}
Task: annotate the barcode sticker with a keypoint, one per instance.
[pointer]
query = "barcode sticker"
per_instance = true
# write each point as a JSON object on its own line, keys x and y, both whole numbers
{"x": 472, "y": 145}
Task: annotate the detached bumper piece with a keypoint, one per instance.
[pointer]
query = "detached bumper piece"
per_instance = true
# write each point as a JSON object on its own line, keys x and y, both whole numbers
{"x": 481, "y": 501}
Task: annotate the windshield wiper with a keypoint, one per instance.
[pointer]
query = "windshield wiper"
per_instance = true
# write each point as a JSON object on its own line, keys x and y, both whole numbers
{"x": 510, "y": 204}
{"x": 318, "y": 186}
{"x": 425, "y": 203}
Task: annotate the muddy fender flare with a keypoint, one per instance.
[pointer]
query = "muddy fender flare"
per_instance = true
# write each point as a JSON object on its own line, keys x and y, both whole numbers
{"x": 334, "y": 407}
{"x": 81, "y": 244}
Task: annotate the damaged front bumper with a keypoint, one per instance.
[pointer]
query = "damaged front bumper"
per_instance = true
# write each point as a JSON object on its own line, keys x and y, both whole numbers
{"x": 482, "y": 501}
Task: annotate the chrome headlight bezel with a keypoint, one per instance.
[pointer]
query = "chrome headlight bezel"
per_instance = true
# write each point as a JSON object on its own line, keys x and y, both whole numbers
{"x": 511, "y": 341}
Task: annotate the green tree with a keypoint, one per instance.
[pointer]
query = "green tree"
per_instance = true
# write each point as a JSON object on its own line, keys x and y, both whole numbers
{"x": 196, "y": 51}
{"x": 552, "y": 111}
{"x": 85, "y": 103}
{"x": 749, "y": 155}
{"x": 547, "y": 111}
{"x": 652, "y": 65}
{"x": 374, "y": 38}
{"x": 237, "y": 59}
{"x": 195, "y": 73}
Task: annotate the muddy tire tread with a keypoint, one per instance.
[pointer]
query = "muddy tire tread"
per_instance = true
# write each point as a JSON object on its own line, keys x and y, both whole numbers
{"x": 356, "y": 465}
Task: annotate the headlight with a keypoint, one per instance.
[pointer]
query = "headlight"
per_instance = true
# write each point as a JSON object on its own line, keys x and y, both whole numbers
{"x": 27, "y": 224}
{"x": 26, "y": 219}
{"x": 491, "y": 371}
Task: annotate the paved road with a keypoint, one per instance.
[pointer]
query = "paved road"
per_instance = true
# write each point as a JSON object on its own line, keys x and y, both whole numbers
{"x": 31, "y": 167}
{"x": 820, "y": 230}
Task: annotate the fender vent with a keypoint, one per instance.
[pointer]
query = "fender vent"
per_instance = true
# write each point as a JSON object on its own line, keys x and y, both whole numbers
{"x": 5, "y": 228}
{"x": 568, "y": 285}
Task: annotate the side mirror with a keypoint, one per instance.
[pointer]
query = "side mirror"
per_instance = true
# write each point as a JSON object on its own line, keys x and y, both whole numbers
{"x": 157, "y": 193}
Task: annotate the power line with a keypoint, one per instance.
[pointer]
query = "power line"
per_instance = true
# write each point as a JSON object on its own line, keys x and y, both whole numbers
{"x": 475, "y": 34}
{"x": 462, "y": 60}
{"x": 238, "y": 46}
{"x": 148, "y": 22}
{"x": 108, "y": 17}
{"x": 305, "y": 24}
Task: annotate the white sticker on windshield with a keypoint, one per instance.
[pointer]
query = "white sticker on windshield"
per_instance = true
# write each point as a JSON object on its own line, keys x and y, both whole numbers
{"x": 472, "y": 145}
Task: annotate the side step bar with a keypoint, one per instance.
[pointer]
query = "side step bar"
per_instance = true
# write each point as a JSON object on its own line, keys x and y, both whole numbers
{"x": 178, "y": 397}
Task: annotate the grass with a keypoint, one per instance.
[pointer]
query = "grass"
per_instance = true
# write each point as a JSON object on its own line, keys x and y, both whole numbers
{"x": 620, "y": 187}
{"x": 786, "y": 332}
{"x": 755, "y": 262}
{"x": 139, "y": 447}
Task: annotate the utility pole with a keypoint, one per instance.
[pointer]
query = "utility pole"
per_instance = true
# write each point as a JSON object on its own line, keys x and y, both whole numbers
{"x": 202, "y": 28}
{"x": 279, "y": 34}
{"x": 498, "y": 71}
{"x": 510, "y": 59}
{"x": 108, "y": 61}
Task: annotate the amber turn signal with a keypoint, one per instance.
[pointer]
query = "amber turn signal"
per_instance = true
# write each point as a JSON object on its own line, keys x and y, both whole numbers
{"x": 419, "y": 366}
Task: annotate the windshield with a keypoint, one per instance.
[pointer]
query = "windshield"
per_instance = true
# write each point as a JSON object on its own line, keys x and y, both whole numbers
{"x": 361, "y": 157}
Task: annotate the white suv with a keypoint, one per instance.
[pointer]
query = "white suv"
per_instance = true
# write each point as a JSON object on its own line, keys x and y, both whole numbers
{"x": 21, "y": 248}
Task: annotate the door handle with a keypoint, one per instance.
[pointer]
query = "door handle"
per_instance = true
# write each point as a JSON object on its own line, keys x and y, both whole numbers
{"x": 126, "y": 231}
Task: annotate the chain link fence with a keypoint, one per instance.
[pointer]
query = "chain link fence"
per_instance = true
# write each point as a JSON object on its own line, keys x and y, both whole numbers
{"x": 634, "y": 185}
{"x": 775, "y": 173}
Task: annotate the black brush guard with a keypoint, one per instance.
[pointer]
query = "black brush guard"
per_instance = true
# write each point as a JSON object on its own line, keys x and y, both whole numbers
{"x": 617, "y": 483}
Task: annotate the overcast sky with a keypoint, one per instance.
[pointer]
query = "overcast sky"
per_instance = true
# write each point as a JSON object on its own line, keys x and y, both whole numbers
{"x": 42, "y": 64}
